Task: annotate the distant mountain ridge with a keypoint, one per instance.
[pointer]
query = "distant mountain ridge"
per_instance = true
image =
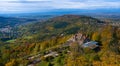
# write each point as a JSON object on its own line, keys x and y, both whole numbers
{"x": 13, "y": 21}
{"x": 67, "y": 11}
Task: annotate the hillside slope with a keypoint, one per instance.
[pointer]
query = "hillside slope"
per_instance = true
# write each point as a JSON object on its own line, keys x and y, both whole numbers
{"x": 66, "y": 24}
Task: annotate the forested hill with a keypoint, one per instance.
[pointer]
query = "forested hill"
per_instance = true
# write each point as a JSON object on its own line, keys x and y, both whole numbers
{"x": 67, "y": 24}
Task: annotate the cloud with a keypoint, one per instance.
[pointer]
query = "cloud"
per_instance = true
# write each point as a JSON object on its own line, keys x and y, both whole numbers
{"x": 11, "y": 6}
{"x": 87, "y": 5}
{"x": 28, "y": 6}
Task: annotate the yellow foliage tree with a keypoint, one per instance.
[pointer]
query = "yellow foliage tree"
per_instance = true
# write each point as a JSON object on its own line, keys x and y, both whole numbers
{"x": 11, "y": 63}
{"x": 106, "y": 36}
{"x": 96, "y": 36}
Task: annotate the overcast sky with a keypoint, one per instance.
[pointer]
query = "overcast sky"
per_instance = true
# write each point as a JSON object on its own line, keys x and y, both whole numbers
{"x": 17, "y": 6}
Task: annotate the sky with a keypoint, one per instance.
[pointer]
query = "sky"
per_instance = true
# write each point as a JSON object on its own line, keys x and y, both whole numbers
{"x": 21, "y": 6}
